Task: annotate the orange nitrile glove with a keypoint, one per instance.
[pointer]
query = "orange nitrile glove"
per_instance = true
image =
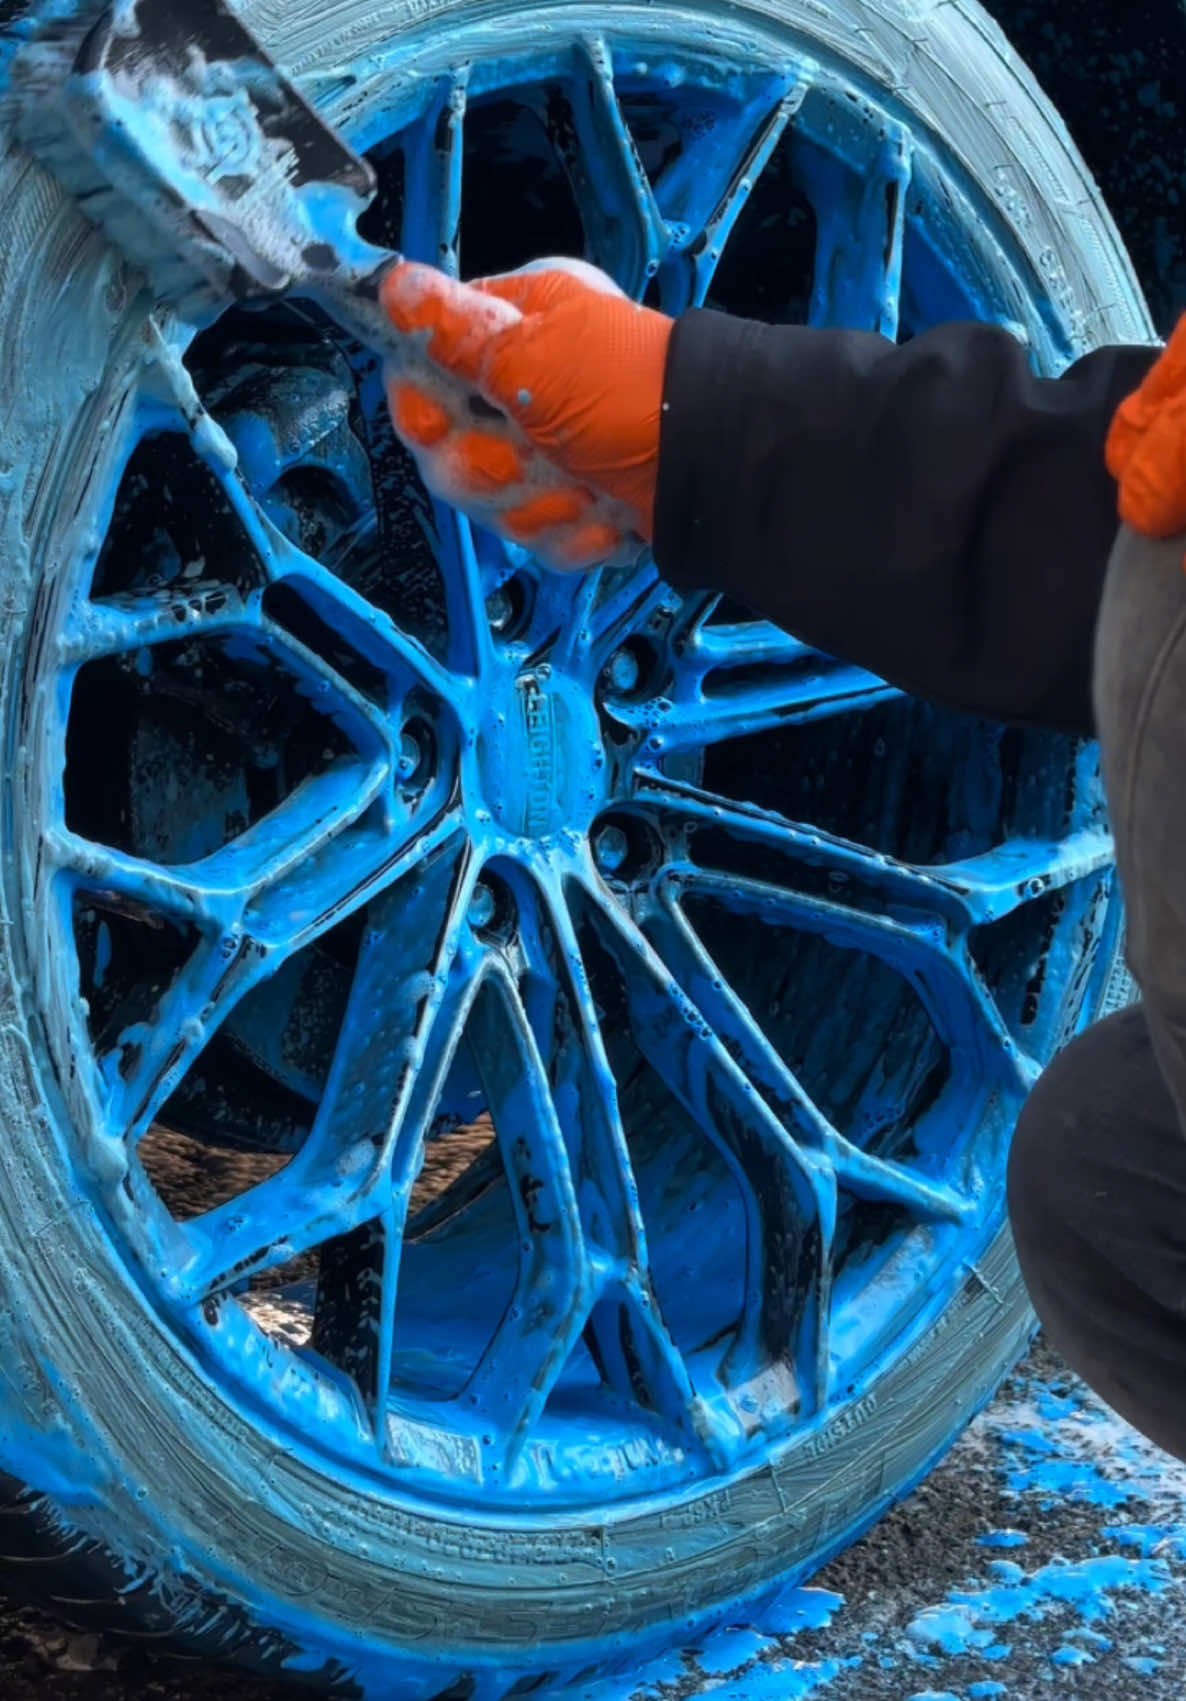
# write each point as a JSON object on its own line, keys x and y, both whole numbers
{"x": 568, "y": 466}
{"x": 1146, "y": 450}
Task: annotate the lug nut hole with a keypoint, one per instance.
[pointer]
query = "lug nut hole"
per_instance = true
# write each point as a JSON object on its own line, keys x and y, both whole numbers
{"x": 631, "y": 673}
{"x": 492, "y": 911}
{"x": 625, "y": 848}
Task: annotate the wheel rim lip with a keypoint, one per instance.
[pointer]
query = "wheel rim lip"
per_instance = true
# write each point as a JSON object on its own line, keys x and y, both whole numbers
{"x": 798, "y": 1437}
{"x": 834, "y": 63}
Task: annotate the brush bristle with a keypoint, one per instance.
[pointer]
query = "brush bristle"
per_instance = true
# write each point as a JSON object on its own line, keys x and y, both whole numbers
{"x": 40, "y": 77}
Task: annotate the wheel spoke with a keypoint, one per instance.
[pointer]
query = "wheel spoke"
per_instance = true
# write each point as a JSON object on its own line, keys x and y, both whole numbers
{"x": 860, "y": 210}
{"x": 185, "y": 894}
{"x": 636, "y": 1355}
{"x": 743, "y": 643}
{"x": 629, "y": 1338}
{"x": 431, "y": 229}
{"x": 150, "y": 1057}
{"x": 790, "y": 850}
{"x": 152, "y": 1053}
{"x": 702, "y": 194}
{"x": 365, "y": 628}
{"x": 713, "y": 702}
{"x": 459, "y": 971}
{"x": 857, "y": 1171}
{"x": 359, "y": 1159}
{"x": 115, "y": 625}
{"x": 342, "y": 873}
{"x": 915, "y": 922}
{"x": 554, "y": 1287}
{"x": 625, "y": 233}
{"x": 996, "y": 883}
{"x": 318, "y": 812}
{"x": 960, "y": 895}
{"x": 252, "y": 912}
{"x": 789, "y": 1192}
{"x": 301, "y": 870}
{"x": 465, "y": 596}
{"x": 583, "y": 1086}
{"x": 626, "y": 600}
{"x": 960, "y": 1007}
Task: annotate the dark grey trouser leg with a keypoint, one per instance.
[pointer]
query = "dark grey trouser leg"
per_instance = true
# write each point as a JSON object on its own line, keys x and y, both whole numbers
{"x": 1140, "y": 702}
{"x": 1097, "y": 1181}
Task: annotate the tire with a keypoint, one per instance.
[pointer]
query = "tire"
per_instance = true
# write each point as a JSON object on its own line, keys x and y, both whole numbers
{"x": 148, "y": 1488}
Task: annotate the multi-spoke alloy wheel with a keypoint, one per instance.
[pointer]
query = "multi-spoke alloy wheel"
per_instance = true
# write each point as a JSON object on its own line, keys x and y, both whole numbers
{"x": 508, "y": 1076}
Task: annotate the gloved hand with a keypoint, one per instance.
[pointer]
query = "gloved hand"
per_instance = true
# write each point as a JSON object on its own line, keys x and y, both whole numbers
{"x": 579, "y": 375}
{"x": 1146, "y": 448}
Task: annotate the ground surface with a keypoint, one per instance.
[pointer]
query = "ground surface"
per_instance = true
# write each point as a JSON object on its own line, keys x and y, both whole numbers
{"x": 1045, "y": 1558}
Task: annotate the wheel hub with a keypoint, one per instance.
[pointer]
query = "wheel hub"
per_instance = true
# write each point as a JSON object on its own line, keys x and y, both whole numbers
{"x": 541, "y": 763}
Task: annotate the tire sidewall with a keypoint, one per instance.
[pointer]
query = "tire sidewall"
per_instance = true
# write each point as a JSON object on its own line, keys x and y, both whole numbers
{"x": 102, "y": 1408}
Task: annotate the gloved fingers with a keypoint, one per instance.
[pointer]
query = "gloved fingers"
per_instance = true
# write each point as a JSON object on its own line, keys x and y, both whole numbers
{"x": 460, "y": 321}
{"x": 543, "y": 284}
{"x": 1153, "y": 478}
{"x": 574, "y": 549}
{"x": 532, "y": 518}
{"x": 506, "y": 485}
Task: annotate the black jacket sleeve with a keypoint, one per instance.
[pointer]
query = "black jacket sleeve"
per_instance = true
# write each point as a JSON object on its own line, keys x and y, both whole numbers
{"x": 931, "y": 511}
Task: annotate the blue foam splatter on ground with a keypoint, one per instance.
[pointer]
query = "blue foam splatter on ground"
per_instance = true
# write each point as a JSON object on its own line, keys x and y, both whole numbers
{"x": 1070, "y": 1656}
{"x": 732, "y": 1650}
{"x": 1048, "y": 1447}
{"x": 798, "y": 1609}
{"x": 969, "y": 1620}
{"x": 1142, "y": 1664}
{"x": 789, "y": 1680}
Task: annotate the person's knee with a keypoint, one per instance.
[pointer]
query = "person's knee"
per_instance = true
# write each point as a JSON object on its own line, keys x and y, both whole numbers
{"x": 1097, "y": 1195}
{"x": 1098, "y": 1156}
{"x": 1098, "y": 1096}
{"x": 1044, "y": 1166}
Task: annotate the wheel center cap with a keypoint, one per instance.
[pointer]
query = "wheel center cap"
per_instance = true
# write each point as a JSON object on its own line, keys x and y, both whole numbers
{"x": 541, "y": 761}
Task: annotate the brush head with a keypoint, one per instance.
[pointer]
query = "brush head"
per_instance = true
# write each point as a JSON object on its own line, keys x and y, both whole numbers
{"x": 177, "y": 134}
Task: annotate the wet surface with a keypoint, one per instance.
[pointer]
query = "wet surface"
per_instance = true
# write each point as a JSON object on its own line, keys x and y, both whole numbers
{"x": 1046, "y": 1557}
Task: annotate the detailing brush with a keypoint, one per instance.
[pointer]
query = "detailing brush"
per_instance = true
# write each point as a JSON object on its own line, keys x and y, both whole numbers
{"x": 178, "y": 135}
